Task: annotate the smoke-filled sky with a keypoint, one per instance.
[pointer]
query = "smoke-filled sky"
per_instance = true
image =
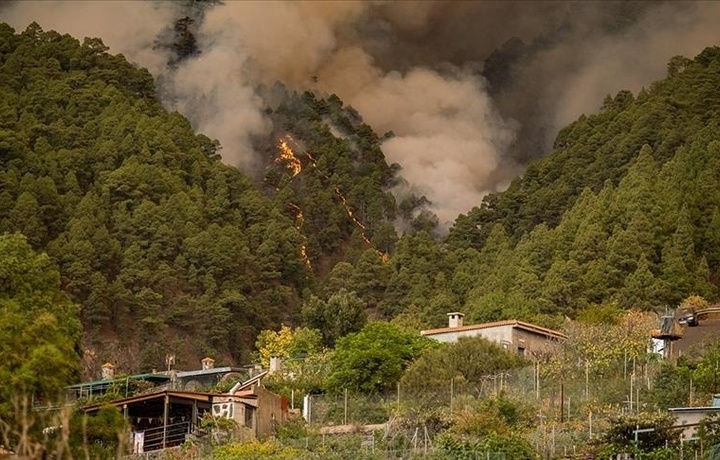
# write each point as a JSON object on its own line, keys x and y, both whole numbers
{"x": 472, "y": 90}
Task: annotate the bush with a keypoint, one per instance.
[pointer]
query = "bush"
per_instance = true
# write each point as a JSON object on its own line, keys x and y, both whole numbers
{"x": 465, "y": 447}
{"x": 292, "y": 429}
{"x": 103, "y": 435}
{"x": 255, "y": 450}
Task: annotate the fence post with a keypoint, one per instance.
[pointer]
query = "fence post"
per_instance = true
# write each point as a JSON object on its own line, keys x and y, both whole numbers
{"x": 452, "y": 383}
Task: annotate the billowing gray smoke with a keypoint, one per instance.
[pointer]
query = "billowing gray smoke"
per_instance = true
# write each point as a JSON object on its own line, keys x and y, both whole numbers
{"x": 472, "y": 90}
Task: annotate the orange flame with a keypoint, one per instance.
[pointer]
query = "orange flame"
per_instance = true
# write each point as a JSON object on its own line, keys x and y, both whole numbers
{"x": 303, "y": 254}
{"x": 299, "y": 220}
{"x": 349, "y": 211}
{"x": 286, "y": 154}
{"x": 294, "y": 164}
{"x": 299, "y": 217}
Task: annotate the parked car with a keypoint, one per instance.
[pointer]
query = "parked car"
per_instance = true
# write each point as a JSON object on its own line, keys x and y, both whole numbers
{"x": 687, "y": 315}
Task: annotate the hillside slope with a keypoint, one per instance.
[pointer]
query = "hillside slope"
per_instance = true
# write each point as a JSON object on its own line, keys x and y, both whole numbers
{"x": 597, "y": 148}
{"x": 166, "y": 249}
{"x": 169, "y": 251}
{"x": 626, "y": 211}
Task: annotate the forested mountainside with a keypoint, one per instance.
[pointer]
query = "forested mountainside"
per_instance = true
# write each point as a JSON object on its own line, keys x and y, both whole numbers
{"x": 625, "y": 209}
{"x": 327, "y": 172}
{"x": 167, "y": 250}
{"x": 163, "y": 246}
{"x": 678, "y": 111}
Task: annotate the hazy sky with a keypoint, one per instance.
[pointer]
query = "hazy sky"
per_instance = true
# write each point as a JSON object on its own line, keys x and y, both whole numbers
{"x": 472, "y": 90}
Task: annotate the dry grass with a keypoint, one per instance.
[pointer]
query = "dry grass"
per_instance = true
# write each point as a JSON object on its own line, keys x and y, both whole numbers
{"x": 32, "y": 433}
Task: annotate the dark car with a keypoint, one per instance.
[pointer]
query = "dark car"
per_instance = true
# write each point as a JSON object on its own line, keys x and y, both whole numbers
{"x": 687, "y": 315}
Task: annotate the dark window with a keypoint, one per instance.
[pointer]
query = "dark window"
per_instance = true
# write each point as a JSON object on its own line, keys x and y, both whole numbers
{"x": 521, "y": 351}
{"x": 249, "y": 411}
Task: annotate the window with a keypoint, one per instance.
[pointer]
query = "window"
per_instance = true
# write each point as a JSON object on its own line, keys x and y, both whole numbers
{"x": 249, "y": 412}
{"x": 521, "y": 351}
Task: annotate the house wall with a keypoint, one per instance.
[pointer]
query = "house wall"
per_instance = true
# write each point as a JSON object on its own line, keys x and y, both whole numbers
{"x": 271, "y": 410}
{"x": 500, "y": 334}
{"x": 691, "y": 417}
{"x": 530, "y": 344}
{"x": 235, "y": 410}
{"x": 243, "y": 432}
{"x": 514, "y": 339}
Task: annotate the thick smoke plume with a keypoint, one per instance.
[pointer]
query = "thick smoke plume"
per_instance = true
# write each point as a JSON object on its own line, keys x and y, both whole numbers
{"x": 472, "y": 90}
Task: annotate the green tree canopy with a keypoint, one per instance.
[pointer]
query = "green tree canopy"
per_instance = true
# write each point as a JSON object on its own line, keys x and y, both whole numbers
{"x": 469, "y": 359}
{"x": 287, "y": 343}
{"x": 373, "y": 360}
{"x": 39, "y": 326}
{"x": 341, "y": 314}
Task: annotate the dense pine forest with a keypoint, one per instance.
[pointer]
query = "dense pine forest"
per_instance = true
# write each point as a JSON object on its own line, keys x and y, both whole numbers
{"x": 125, "y": 238}
{"x": 166, "y": 249}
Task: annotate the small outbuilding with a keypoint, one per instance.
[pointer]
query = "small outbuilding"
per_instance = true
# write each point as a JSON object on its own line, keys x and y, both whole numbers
{"x": 688, "y": 418}
{"x": 162, "y": 418}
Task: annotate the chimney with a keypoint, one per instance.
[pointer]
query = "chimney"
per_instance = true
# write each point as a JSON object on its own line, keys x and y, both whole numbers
{"x": 275, "y": 364}
{"x": 716, "y": 400}
{"x": 455, "y": 319}
{"x": 208, "y": 363}
{"x": 108, "y": 371}
{"x": 169, "y": 361}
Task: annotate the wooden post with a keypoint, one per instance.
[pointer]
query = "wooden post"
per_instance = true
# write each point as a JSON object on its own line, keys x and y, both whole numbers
{"x": 193, "y": 421}
{"x": 452, "y": 382}
{"x": 587, "y": 380}
{"x": 165, "y": 419}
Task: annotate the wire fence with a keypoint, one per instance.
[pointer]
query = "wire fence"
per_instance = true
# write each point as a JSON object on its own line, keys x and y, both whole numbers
{"x": 372, "y": 446}
{"x": 573, "y": 397}
{"x": 570, "y": 406}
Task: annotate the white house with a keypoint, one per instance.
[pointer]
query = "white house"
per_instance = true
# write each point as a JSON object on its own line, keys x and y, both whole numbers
{"x": 524, "y": 338}
{"x": 690, "y": 417}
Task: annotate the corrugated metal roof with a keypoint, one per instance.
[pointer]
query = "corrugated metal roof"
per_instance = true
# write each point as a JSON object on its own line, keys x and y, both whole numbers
{"x": 248, "y": 383}
{"x": 694, "y": 409}
{"x": 107, "y": 382}
{"x": 187, "y": 395}
{"x": 214, "y": 370}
